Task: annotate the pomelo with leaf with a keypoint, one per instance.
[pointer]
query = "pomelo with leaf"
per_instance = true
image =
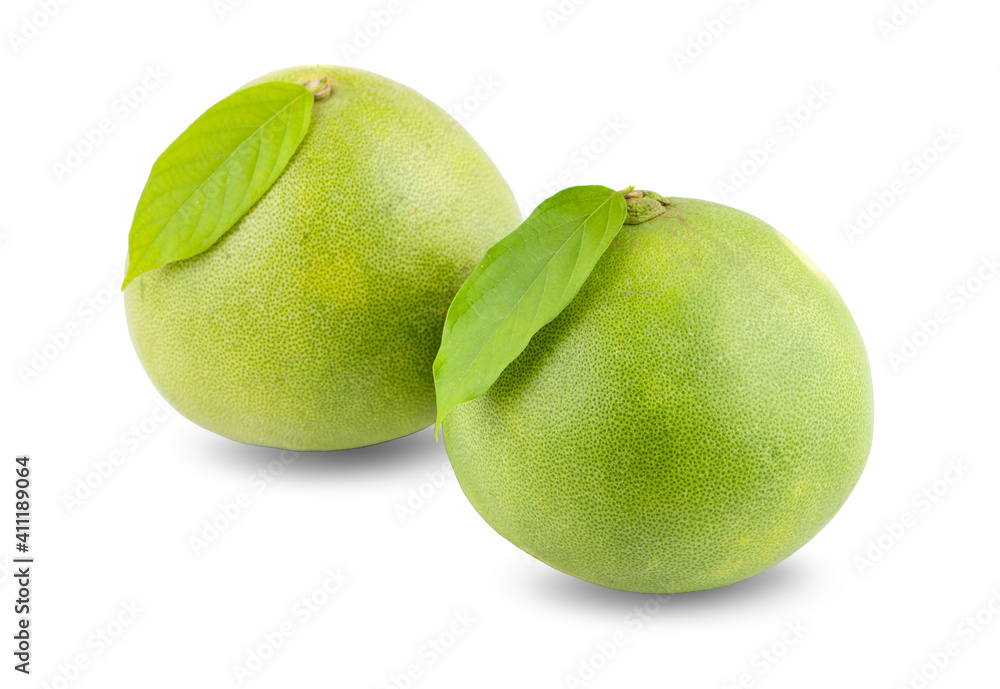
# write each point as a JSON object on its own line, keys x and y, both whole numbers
{"x": 678, "y": 411}
{"x": 294, "y": 254}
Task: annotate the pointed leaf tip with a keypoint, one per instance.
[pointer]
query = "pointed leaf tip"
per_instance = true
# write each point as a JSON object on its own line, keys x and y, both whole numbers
{"x": 214, "y": 172}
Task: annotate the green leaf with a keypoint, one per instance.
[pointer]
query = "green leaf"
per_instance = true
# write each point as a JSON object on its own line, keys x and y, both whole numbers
{"x": 214, "y": 172}
{"x": 524, "y": 281}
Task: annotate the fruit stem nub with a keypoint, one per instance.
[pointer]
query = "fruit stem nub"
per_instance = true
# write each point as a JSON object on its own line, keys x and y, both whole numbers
{"x": 320, "y": 87}
{"x": 643, "y": 206}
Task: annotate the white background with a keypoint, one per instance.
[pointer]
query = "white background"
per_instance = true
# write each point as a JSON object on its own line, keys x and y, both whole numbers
{"x": 556, "y": 85}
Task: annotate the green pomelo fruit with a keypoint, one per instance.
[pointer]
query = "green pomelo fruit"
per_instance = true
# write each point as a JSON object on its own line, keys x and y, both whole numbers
{"x": 314, "y": 322}
{"x": 699, "y": 411}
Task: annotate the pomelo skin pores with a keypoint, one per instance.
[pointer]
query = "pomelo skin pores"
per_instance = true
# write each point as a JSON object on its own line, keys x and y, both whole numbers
{"x": 313, "y": 323}
{"x": 697, "y": 413}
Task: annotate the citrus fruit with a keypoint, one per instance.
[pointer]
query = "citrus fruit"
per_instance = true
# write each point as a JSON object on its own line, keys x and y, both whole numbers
{"x": 699, "y": 411}
{"x": 313, "y": 323}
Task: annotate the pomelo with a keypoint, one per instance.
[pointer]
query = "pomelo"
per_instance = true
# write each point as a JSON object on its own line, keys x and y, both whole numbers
{"x": 313, "y": 323}
{"x": 699, "y": 411}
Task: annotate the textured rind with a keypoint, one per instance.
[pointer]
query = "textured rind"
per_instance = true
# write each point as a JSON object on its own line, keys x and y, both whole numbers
{"x": 313, "y": 323}
{"x": 699, "y": 411}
